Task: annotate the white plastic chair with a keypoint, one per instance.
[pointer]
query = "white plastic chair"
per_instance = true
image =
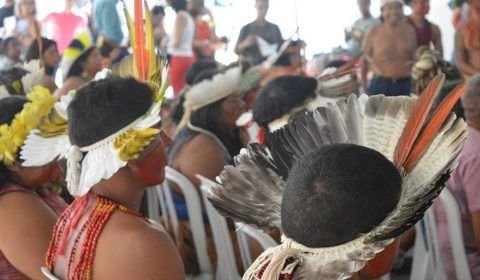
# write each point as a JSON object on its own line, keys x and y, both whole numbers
{"x": 427, "y": 255}
{"x": 226, "y": 264}
{"x": 194, "y": 208}
{"x": 243, "y": 232}
{"x": 48, "y": 274}
{"x": 455, "y": 232}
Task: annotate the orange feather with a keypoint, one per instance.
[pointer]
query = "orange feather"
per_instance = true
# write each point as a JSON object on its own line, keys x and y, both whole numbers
{"x": 141, "y": 55}
{"x": 416, "y": 120}
{"x": 433, "y": 126}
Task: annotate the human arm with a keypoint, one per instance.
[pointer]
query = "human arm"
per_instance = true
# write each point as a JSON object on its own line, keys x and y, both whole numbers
{"x": 461, "y": 55}
{"x": 202, "y": 156}
{"x": 469, "y": 178}
{"x": 437, "y": 39}
{"x": 135, "y": 250}
{"x": 244, "y": 41}
{"x": 367, "y": 49}
{"x": 27, "y": 224}
{"x": 71, "y": 83}
{"x": 179, "y": 26}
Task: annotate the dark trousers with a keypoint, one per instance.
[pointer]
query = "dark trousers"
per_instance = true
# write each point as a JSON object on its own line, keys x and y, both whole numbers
{"x": 389, "y": 86}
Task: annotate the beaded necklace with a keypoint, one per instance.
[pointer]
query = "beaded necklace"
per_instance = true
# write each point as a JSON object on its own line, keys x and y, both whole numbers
{"x": 101, "y": 211}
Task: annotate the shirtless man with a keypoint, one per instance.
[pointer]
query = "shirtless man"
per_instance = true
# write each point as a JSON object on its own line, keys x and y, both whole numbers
{"x": 389, "y": 50}
{"x": 467, "y": 42}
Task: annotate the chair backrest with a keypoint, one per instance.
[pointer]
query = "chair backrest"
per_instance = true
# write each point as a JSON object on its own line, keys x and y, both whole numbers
{"x": 195, "y": 213}
{"x": 226, "y": 264}
{"x": 243, "y": 232}
{"x": 49, "y": 275}
{"x": 427, "y": 258}
{"x": 455, "y": 232}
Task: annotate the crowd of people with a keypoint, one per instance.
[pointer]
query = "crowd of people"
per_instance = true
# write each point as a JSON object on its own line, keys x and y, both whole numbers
{"x": 336, "y": 168}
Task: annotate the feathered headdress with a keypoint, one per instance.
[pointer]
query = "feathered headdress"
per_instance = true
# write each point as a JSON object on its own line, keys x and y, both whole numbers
{"x": 49, "y": 140}
{"x": 13, "y": 136}
{"x": 105, "y": 157}
{"x": 21, "y": 79}
{"x": 423, "y": 143}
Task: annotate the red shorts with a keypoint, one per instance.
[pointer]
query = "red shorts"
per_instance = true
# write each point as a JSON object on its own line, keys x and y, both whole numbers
{"x": 179, "y": 66}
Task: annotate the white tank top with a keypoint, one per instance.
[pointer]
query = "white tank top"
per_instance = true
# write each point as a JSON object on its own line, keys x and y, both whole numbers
{"x": 186, "y": 40}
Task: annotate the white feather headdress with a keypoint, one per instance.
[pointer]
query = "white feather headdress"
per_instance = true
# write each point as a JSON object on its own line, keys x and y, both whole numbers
{"x": 424, "y": 145}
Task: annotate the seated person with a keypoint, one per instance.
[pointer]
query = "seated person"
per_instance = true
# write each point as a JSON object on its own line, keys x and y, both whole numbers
{"x": 10, "y": 52}
{"x": 29, "y": 192}
{"x": 49, "y": 57}
{"x": 102, "y": 235}
{"x": 280, "y": 100}
{"x": 340, "y": 187}
{"x": 208, "y": 141}
{"x": 80, "y": 62}
{"x": 464, "y": 184}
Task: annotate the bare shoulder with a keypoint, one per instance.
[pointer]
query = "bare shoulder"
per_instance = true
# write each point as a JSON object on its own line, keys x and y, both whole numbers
{"x": 203, "y": 145}
{"x": 374, "y": 30}
{"x": 130, "y": 248}
{"x": 71, "y": 83}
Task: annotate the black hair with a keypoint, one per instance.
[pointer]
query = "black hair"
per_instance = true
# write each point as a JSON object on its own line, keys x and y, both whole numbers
{"x": 336, "y": 193}
{"x": 178, "y": 5}
{"x": 104, "y": 107}
{"x": 11, "y": 79}
{"x": 4, "y": 45}
{"x": 77, "y": 69}
{"x": 9, "y": 106}
{"x": 198, "y": 67}
{"x": 32, "y": 53}
{"x": 284, "y": 59}
{"x": 158, "y": 10}
{"x": 280, "y": 96}
{"x": 208, "y": 118}
{"x": 190, "y": 78}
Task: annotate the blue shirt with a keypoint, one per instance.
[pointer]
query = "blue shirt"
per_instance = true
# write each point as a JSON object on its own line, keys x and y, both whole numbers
{"x": 106, "y": 20}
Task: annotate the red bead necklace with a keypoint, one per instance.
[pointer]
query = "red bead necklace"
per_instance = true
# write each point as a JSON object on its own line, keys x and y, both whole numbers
{"x": 101, "y": 211}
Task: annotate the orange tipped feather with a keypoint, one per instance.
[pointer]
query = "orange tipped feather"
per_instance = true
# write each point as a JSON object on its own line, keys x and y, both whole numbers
{"x": 141, "y": 53}
{"x": 416, "y": 120}
{"x": 433, "y": 126}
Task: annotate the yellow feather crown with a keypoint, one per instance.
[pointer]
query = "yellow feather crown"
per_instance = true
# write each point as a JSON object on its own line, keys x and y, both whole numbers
{"x": 13, "y": 136}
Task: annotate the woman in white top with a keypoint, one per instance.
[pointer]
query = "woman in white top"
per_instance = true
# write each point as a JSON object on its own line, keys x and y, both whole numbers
{"x": 180, "y": 45}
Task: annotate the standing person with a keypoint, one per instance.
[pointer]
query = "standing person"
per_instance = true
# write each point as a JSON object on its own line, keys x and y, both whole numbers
{"x": 106, "y": 21}
{"x": 6, "y": 11}
{"x": 207, "y": 140}
{"x": 389, "y": 50}
{"x": 427, "y": 32}
{"x": 354, "y": 36}
{"x": 467, "y": 42}
{"x": 63, "y": 27}
{"x": 80, "y": 62}
{"x": 464, "y": 185}
{"x": 29, "y": 200}
{"x": 180, "y": 45}
{"x": 159, "y": 33}
{"x": 50, "y": 58}
{"x": 206, "y": 41}
{"x": 27, "y": 28}
{"x": 247, "y": 44}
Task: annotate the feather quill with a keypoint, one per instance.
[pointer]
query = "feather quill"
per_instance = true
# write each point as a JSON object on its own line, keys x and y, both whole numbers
{"x": 416, "y": 120}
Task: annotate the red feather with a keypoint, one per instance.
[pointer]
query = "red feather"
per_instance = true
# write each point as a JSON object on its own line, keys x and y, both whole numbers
{"x": 141, "y": 55}
{"x": 416, "y": 120}
{"x": 433, "y": 126}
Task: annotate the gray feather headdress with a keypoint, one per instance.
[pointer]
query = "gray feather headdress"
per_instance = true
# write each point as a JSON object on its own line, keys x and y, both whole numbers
{"x": 422, "y": 142}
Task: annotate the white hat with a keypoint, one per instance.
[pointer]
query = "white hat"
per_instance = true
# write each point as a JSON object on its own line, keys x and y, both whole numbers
{"x": 385, "y": 2}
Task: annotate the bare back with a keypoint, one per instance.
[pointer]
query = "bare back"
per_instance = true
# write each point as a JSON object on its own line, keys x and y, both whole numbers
{"x": 468, "y": 57}
{"x": 391, "y": 49}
